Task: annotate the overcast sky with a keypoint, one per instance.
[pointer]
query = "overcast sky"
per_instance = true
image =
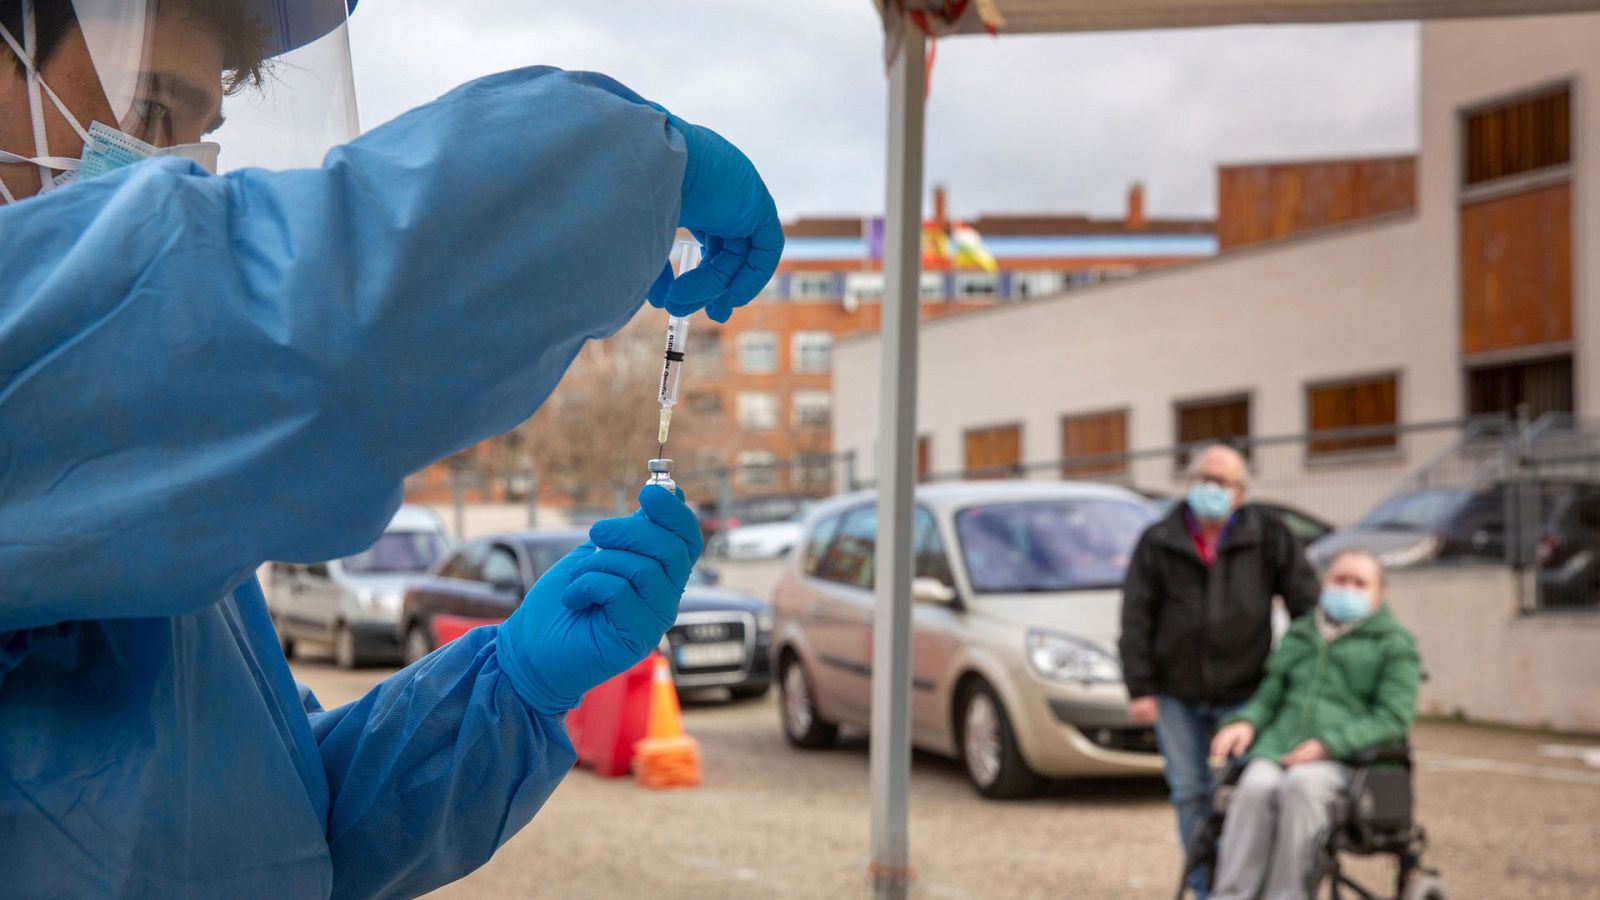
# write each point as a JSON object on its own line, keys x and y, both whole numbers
{"x": 1058, "y": 123}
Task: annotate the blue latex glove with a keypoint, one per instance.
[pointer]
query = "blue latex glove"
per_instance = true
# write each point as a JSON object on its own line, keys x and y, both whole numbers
{"x": 726, "y": 206}
{"x": 604, "y": 606}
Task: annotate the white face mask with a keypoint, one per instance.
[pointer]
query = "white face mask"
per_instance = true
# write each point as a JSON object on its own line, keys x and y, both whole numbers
{"x": 104, "y": 148}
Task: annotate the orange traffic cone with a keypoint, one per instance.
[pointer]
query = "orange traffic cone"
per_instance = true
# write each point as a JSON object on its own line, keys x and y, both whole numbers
{"x": 666, "y": 758}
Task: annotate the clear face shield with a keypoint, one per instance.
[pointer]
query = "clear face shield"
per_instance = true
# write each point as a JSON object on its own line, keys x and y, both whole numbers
{"x": 228, "y": 83}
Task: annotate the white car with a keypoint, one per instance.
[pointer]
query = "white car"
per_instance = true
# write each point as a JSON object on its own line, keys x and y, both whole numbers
{"x": 1018, "y": 593}
{"x": 353, "y": 604}
{"x": 769, "y": 540}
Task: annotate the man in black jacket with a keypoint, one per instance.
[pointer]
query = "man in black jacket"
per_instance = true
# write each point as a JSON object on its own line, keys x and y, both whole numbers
{"x": 1197, "y": 620}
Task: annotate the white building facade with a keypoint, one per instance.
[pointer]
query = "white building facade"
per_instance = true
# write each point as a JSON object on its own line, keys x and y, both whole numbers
{"x": 1389, "y": 313}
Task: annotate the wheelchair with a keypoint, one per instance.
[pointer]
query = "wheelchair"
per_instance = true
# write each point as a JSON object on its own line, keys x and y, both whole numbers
{"x": 1373, "y": 817}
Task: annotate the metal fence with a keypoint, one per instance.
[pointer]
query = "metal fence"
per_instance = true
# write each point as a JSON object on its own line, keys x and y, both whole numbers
{"x": 1535, "y": 487}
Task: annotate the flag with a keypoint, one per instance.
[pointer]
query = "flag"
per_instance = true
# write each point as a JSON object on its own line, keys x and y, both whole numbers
{"x": 970, "y": 250}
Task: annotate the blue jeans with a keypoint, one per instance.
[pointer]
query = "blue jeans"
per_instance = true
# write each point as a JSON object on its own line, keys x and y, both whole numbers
{"x": 1184, "y": 733}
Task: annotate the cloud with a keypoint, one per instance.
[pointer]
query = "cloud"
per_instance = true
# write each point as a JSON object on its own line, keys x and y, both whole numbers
{"x": 1021, "y": 123}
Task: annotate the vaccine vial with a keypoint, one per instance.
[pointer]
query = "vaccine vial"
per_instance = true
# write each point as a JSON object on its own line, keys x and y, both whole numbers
{"x": 661, "y": 474}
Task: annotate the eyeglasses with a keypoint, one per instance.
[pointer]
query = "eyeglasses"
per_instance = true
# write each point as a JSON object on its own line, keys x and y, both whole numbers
{"x": 1216, "y": 480}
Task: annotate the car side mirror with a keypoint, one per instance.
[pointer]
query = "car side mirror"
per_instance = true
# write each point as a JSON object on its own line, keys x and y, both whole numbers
{"x": 932, "y": 590}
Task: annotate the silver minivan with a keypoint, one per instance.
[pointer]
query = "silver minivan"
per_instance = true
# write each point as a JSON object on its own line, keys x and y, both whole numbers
{"x": 1017, "y": 594}
{"x": 353, "y": 604}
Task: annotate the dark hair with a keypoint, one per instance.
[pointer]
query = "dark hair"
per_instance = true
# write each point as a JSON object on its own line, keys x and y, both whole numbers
{"x": 244, "y": 46}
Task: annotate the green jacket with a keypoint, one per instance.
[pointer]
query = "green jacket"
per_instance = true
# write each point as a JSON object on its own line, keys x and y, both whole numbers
{"x": 1357, "y": 692}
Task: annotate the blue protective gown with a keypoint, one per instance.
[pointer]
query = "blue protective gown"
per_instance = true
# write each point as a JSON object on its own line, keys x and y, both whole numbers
{"x": 201, "y": 373}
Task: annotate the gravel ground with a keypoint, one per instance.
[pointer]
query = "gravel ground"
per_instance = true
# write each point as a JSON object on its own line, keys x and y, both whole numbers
{"x": 1506, "y": 819}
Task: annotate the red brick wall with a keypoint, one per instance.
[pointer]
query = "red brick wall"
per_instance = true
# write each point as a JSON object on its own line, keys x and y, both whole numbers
{"x": 1267, "y": 202}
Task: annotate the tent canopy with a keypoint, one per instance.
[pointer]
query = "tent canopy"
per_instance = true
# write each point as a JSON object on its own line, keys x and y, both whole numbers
{"x": 1036, "y": 16}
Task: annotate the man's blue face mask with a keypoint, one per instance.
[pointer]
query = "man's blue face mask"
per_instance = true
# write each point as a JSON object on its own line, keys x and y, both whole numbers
{"x": 1210, "y": 501}
{"x": 1345, "y": 605}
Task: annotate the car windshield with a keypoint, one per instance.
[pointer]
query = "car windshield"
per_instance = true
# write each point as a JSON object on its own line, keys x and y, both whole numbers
{"x": 1421, "y": 511}
{"x": 398, "y": 552}
{"x": 1050, "y": 545}
{"x": 547, "y": 552}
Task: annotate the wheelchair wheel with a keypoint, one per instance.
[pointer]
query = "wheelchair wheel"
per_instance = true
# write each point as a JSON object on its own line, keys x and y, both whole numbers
{"x": 1425, "y": 887}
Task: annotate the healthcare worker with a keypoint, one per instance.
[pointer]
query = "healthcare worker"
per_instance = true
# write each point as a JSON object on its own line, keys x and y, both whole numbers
{"x": 199, "y": 373}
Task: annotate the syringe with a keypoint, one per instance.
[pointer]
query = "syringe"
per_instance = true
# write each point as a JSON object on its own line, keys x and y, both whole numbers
{"x": 687, "y": 255}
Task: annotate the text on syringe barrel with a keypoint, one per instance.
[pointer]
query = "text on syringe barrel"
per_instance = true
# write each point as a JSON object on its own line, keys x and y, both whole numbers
{"x": 672, "y": 363}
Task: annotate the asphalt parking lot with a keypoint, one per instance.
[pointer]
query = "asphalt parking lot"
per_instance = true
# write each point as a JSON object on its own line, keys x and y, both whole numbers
{"x": 1510, "y": 815}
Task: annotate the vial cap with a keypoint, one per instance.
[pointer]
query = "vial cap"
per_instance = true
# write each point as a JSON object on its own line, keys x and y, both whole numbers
{"x": 660, "y": 465}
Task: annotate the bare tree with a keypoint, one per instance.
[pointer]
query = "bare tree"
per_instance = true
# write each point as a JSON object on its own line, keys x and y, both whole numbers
{"x": 598, "y": 427}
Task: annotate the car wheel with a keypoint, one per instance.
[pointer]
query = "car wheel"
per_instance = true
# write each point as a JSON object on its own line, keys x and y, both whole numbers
{"x": 749, "y": 691}
{"x": 285, "y": 643}
{"x": 801, "y": 725}
{"x": 417, "y": 643}
{"x": 989, "y": 750}
{"x": 344, "y": 648}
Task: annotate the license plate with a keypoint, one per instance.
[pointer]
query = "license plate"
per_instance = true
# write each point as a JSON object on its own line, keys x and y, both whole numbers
{"x": 727, "y": 653}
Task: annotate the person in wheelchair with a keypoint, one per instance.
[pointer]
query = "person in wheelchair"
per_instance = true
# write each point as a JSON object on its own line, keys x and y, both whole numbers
{"x": 1343, "y": 681}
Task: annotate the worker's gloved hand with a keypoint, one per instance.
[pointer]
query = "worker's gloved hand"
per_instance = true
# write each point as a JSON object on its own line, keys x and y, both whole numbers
{"x": 604, "y": 606}
{"x": 727, "y": 208}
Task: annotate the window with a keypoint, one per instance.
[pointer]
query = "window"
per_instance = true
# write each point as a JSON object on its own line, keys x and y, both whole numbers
{"x": 817, "y": 544}
{"x": 1545, "y": 385}
{"x": 977, "y": 284}
{"x": 1218, "y": 421}
{"x": 1094, "y": 435}
{"x": 812, "y": 409}
{"x": 849, "y": 559}
{"x": 1036, "y": 284}
{"x": 812, "y": 286}
{"x": 993, "y": 452}
{"x": 705, "y": 344}
{"x": 1521, "y": 136}
{"x": 467, "y": 564}
{"x": 1050, "y": 545}
{"x": 927, "y": 551}
{"x": 814, "y": 473}
{"x": 924, "y": 457}
{"x": 500, "y": 567}
{"x": 757, "y": 468}
{"x": 757, "y": 410}
{"x": 704, "y": 402}
{"x": 932, "y": 286}
{"x": 863, "y": 286}
{"x": 758, "y": 352}
{"x": 812, "y": 351}
{"x": 1365, "y": 403}
{"x": 398, "y": 551}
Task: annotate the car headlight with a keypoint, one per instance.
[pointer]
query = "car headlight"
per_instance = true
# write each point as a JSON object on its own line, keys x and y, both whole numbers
{"x": 764, "y": 621}
{"x": 1061, "y": 658}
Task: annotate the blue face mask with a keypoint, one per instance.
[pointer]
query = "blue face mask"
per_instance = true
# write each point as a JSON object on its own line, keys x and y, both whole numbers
{"x": 1210, "y": 501}
{"x": 1345, "y": 605}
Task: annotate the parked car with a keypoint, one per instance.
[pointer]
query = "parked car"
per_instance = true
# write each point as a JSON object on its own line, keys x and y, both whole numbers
{"x": 722, "y": 638}
{"x": 1440, "y": 525}
{"x": 1017, "y": 597}
{"x": 769, "y": 540}
{"x": 742, "y": 533}
{"x": 1568, "y": 556}
{"x": 352, "y": 604}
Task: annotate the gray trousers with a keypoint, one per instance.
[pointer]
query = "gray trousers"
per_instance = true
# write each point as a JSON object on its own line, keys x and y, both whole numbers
{"x": 1275, "y": 823}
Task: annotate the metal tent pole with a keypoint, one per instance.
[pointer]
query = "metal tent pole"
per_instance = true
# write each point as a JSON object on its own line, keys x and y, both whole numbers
{"x": 890, "y": 760}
